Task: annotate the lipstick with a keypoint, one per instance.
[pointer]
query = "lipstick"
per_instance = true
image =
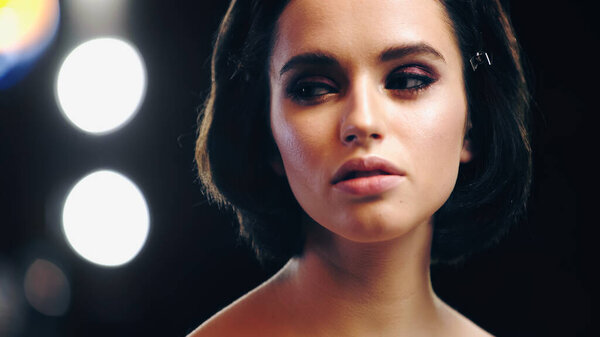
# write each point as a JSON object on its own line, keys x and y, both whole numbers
{"x": 367, "y": 176}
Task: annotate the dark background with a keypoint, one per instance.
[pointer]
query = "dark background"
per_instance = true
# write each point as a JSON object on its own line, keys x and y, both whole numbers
{"x": 536, "y": 283}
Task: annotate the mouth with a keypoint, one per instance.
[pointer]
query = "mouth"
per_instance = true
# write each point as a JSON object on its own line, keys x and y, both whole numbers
{"x": 367, "y": 177}
{"x": 363, "y": 174}
{"x": 366, "y": 167}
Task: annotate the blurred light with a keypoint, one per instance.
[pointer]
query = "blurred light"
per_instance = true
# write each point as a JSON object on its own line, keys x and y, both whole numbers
{"x": 26, "y": 29}
{"x": 24, "y": 22}
{"x": 101, "y": 84}
{"x": 11, "y": 306}
{"x": 97, "y": 17}
{"x": 47, "y": 289}
{"x": 105, "y": 218}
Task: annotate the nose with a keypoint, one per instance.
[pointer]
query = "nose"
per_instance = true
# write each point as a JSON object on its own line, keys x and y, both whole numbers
{"x": 363, "y": 118}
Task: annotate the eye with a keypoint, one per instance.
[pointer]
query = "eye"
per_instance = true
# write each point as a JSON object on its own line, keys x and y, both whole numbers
{"x": 408, "y": 80}
{"x": 311, "y": 90}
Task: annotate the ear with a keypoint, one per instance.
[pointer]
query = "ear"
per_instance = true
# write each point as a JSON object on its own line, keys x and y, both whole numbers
{"x": 277, "y": 165}
{"x": 466, "y": 154}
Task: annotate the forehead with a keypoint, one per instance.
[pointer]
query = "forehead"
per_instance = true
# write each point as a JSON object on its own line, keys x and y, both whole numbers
{"x": 361, "y": 28}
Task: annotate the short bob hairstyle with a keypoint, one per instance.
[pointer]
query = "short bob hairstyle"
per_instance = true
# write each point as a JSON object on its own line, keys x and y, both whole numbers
{"x": 235, "y": 147}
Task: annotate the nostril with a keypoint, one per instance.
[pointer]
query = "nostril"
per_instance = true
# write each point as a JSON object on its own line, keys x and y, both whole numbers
{"x": 376, "y": 136}
{"x": 350, "y": 138}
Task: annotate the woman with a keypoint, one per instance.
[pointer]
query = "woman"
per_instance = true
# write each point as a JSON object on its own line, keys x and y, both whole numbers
{"x": 363, "y": 140}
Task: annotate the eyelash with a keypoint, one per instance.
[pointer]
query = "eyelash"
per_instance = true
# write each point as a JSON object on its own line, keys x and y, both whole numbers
{"x": 298, "y": 92}
{"x": 407, "y": 77}
{"x": 304, "y": 92}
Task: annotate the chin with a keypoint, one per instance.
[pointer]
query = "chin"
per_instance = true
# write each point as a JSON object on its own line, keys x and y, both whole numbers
{"x": 369, "y": 225}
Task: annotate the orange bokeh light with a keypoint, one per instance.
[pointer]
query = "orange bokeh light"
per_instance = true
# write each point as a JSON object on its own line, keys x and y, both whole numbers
{"x": 26, "y": 22}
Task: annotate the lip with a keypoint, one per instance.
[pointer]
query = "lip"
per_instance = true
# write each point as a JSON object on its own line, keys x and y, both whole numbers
{"x": 379, "y": 182}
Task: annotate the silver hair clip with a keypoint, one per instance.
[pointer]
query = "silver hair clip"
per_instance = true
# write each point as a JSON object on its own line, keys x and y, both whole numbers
{"x": 480, "y": 57}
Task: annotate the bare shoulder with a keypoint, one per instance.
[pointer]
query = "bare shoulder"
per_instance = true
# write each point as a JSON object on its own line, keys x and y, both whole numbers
{"x": 468, "y": 328}
{"x": 459, "y": 325}
{"x": 254, "y": 314}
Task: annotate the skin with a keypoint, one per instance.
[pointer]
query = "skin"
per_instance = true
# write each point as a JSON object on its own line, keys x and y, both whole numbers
{"x": 365, "y": 267}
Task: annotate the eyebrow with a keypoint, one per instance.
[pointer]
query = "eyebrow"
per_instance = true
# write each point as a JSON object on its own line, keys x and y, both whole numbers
{"x": 314, "y": 58}
{"x": 391, "y": 53}
{"x": 401, "y": 51}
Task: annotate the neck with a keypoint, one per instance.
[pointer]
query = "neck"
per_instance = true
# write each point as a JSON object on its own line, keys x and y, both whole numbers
{"x": 383, "y": 286}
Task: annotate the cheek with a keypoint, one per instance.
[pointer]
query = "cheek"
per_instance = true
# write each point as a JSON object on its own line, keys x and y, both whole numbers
{"x": 439, "y": 145}
{"x": 300, "y": 150}
{"x": 445, "y": 145}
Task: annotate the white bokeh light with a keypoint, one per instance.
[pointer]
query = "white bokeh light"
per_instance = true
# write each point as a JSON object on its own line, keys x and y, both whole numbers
{"x": 101, "y": 84}
{"x": 105, "y": 218}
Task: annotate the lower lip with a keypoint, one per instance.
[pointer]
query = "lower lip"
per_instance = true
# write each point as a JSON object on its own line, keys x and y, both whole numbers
{"x": 366, "y": 186}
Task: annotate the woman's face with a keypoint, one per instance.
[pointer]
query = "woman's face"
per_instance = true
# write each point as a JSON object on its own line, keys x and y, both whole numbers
{"x": 368, "y": 111}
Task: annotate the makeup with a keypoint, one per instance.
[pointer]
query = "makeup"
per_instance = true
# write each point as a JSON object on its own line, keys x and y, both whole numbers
{"x": 367, "y": 176}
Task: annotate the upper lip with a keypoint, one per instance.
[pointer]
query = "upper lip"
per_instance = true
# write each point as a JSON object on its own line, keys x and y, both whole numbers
{"x": 365, "y": 164}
